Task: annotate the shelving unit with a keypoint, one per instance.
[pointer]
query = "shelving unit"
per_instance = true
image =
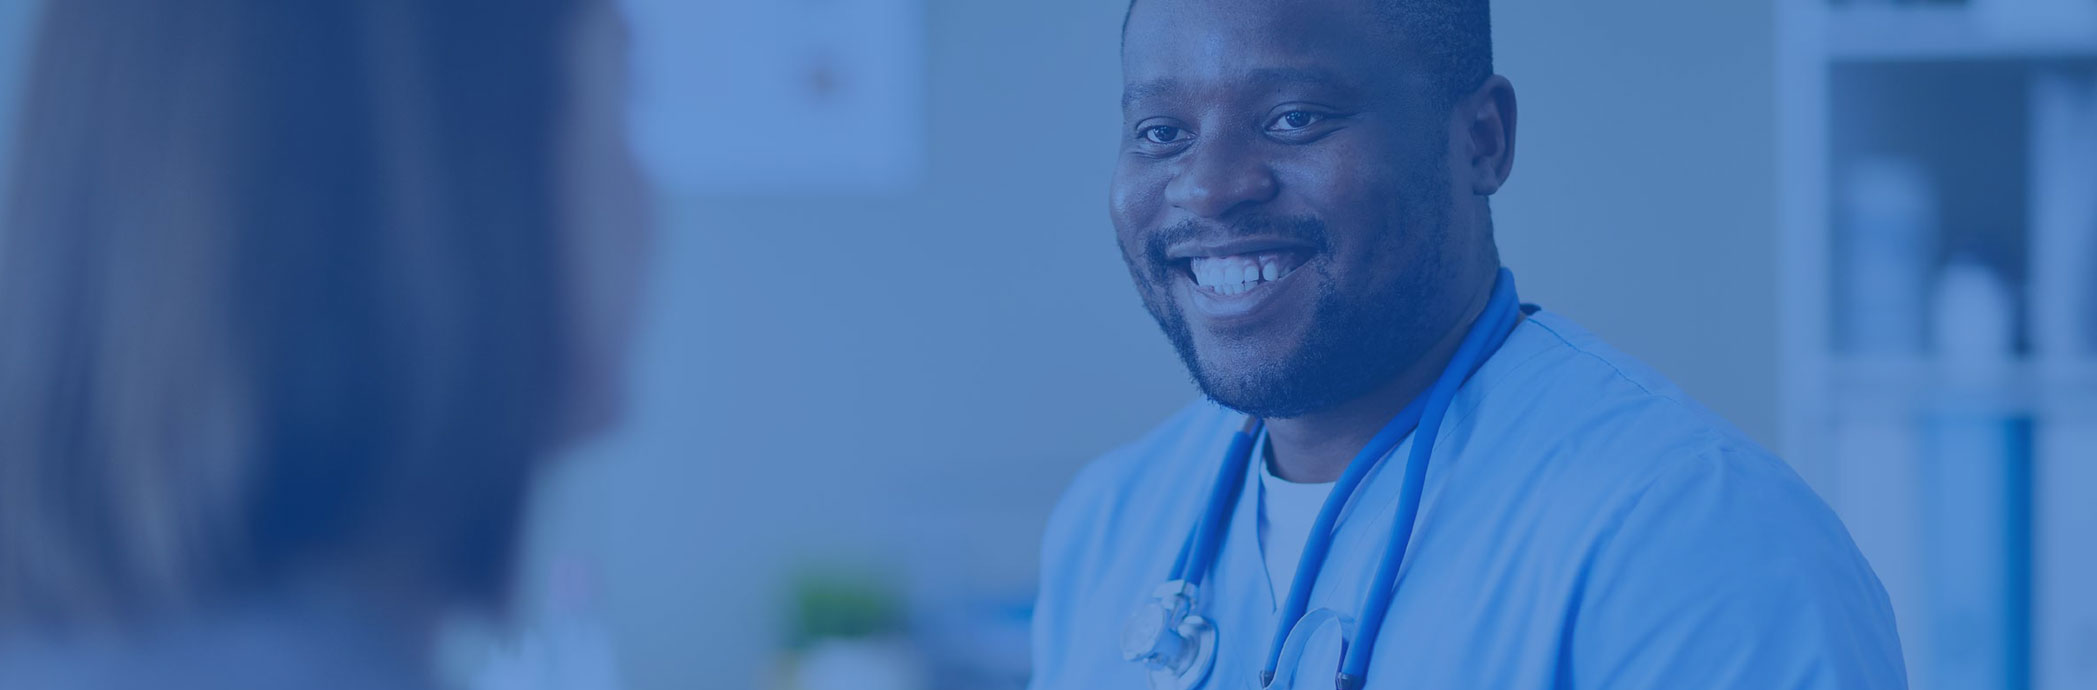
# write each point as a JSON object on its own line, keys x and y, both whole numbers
{"x": 1949, "y": 90}
{"x": 1894, "y": 33}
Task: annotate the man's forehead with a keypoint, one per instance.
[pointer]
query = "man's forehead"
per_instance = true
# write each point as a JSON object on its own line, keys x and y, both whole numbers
{"x": 1255, "y": 79}
{"x": 1178, "y": 43}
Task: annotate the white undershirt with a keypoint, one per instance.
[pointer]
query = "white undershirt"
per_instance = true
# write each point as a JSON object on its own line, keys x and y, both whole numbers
{"x": 1287, "y": 511}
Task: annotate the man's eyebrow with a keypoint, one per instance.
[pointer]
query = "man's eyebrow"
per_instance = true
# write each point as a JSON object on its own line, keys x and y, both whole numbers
{"x": 1149, "y": 89}
{"x": 1265, "y": 77}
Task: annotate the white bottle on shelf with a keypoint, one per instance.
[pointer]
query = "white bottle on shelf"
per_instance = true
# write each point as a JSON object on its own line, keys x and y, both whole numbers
{"x": 1974, "y": 326}
{"x": 1889, "y": 220}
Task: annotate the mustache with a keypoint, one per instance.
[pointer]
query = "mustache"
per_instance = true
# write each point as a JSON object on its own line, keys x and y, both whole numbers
{"x": 1306, "y": 229}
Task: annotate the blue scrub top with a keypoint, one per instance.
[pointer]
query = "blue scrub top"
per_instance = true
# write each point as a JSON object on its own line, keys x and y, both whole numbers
{"x": 1584, "y": 525}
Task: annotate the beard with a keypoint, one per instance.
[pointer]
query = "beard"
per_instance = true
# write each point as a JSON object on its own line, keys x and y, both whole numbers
{"x": 1356, "y": 340}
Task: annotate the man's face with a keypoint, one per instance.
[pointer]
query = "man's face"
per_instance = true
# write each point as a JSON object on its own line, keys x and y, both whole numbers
{"x": 1283, "y": 197}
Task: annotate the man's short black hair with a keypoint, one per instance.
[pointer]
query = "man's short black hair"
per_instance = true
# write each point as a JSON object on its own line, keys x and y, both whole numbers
{"x": 1454, "y": 38}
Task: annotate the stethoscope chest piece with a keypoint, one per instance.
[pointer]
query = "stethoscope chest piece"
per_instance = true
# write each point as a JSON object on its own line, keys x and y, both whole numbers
{"x": 1177, "y": 647}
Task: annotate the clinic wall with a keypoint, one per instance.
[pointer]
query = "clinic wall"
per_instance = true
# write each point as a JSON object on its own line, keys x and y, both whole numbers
{"x": 1644, "y": 197}
{"x": 901, "y": 382}
{"x": 907, "y": 381}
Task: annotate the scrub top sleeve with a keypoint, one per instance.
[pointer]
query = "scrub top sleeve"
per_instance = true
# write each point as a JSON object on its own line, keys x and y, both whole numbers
{"x": 1726, "y": 571}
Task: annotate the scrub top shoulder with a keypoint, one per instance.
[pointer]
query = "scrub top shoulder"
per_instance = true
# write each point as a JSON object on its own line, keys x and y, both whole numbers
{"x": 1584, "y": 524}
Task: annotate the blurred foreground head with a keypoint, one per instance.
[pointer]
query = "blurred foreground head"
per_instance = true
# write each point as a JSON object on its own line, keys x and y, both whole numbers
{"x": 301, "y": 292}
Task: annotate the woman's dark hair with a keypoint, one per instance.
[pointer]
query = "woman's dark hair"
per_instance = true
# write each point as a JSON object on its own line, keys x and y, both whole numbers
{"x": 280, "y": 289}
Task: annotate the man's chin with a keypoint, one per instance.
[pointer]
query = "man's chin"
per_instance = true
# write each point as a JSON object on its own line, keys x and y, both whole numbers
{"x": 1255, "y": 376}
{"x": 1261, "y": 392}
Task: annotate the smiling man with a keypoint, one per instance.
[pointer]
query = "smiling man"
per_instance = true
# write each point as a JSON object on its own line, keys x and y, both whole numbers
{"x": 1401, "y": 476}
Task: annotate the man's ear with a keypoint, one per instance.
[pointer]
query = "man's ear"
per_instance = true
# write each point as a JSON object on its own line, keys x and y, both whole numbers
{"x": 1486, "y": 122}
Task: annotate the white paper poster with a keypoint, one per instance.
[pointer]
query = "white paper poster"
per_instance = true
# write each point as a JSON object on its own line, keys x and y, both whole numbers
{"x": 779, "y": 96}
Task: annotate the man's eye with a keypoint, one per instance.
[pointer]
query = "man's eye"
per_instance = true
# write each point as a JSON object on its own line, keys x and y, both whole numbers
{"x": 1162, "y": 134}
{"x": 1295, "y": 120}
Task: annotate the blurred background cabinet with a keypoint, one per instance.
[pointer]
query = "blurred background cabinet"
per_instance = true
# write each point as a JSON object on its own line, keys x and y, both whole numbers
{"x": 1938, "y": 281}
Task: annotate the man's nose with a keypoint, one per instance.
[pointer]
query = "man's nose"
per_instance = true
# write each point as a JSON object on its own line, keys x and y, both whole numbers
{"x": 1220, "y": 177}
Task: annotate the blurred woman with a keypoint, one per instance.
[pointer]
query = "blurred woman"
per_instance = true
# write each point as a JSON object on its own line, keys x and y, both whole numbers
{"x": 294, "y": 298}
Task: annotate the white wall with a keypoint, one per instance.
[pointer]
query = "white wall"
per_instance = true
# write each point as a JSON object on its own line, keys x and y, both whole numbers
{"x": 917, "y": 375}
{"x": 1644, "y": 197}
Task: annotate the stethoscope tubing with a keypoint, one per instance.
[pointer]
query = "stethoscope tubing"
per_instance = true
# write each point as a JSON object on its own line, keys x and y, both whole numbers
{"x": 1193, "y": 562}
{"x": 1424, "y": 415}
{"x": 1492, "y": 330}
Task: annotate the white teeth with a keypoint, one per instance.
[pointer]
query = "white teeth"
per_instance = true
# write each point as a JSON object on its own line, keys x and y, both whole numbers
{"x": 1207, "y": 273}
{"x": 1231, "y": 275}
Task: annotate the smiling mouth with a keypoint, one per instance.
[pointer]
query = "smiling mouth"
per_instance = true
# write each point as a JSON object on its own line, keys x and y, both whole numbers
{"x": 1239, "y": 274}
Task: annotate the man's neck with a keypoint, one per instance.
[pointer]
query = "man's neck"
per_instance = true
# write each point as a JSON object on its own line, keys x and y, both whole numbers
{"x": 1317, "y": 447}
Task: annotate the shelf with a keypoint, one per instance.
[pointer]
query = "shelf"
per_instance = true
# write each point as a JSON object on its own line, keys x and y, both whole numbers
{"x": 1895, "y": 34}
{"x": 1909, "y": 385}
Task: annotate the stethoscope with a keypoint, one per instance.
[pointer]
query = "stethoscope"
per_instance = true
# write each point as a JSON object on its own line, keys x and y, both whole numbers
{"x": 1169, "y": 636}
